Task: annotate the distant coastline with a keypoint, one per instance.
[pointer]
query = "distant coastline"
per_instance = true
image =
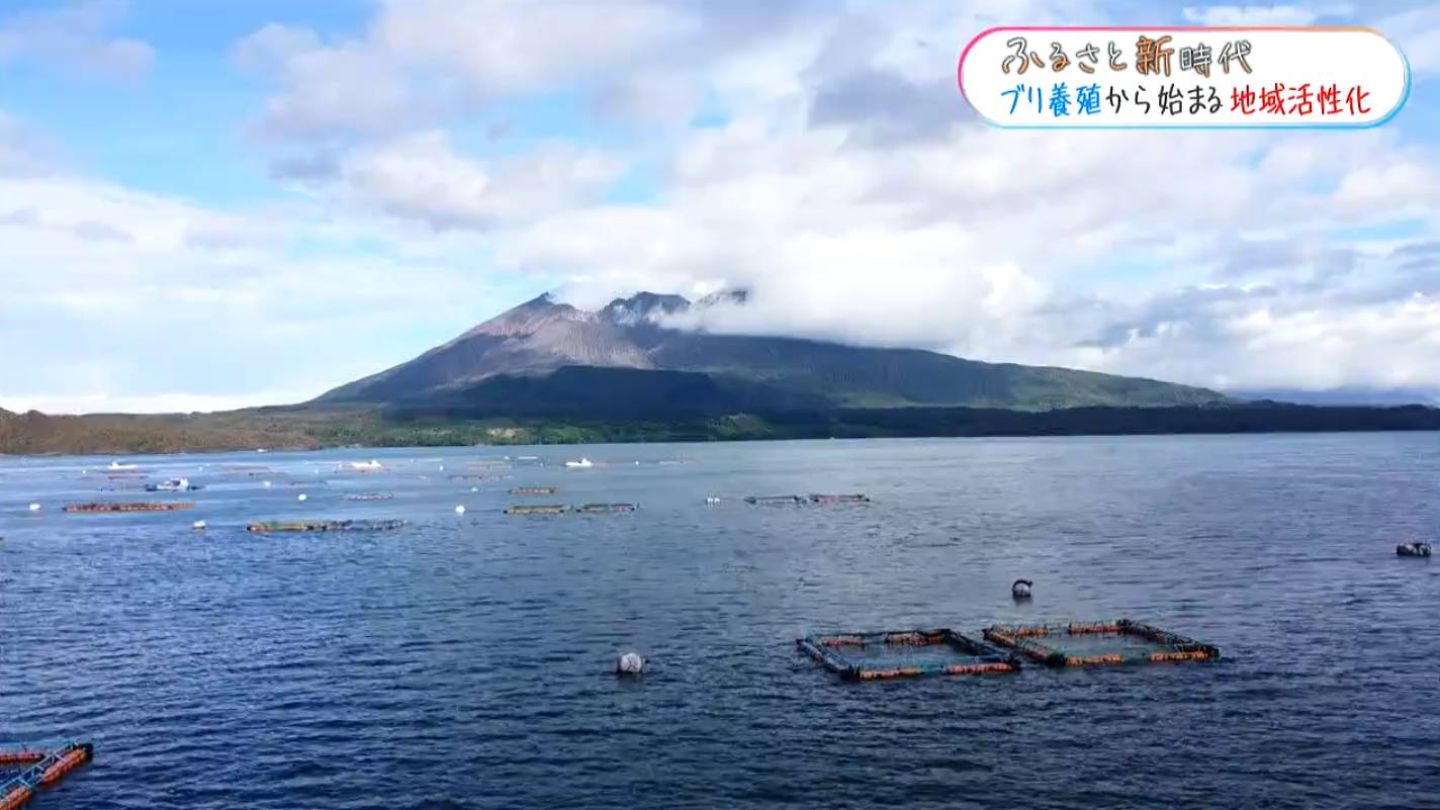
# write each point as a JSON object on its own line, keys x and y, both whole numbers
{"x": 316, "y": 427}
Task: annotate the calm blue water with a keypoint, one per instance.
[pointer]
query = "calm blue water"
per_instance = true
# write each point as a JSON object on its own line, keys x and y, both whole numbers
{"x": 464, "y": 662}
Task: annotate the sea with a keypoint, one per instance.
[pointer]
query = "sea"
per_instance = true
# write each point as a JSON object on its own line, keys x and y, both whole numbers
{"x": 466, "y": 659}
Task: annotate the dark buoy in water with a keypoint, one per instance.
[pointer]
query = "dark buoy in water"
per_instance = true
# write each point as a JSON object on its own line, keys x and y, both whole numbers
{"x": 1021, "y": 589}
{"x": 630, "y": 665}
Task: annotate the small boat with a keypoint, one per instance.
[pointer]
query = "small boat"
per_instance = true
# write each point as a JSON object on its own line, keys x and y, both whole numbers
{"x": 581, "y": 464}
{"x": 366, "y": 466}
{"x": 173, "y": 485}
{"x": 1413, "y": 550}
{"x": 115, "y": 465}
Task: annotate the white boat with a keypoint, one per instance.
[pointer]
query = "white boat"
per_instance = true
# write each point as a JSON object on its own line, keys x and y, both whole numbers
{"x": 366, "y": 466}
{"x": 582, "y": 463}
{"x": 172, "y": 485}
{"x": 115, "y": 465}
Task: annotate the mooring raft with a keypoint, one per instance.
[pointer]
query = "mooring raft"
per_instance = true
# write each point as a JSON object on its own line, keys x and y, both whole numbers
{"x": 969, "y": 656}
{"x": 1133, "y": 643}
{"x": 40, "y": 769}
{"x": 128, "y": 507}
{"x": 305, "y": 526}
{"x": 535, "y": 491}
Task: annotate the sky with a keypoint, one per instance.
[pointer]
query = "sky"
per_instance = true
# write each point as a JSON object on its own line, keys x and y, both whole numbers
{"x": 255, "y": 202}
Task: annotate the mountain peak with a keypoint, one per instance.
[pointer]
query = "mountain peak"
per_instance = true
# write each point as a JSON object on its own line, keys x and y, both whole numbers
{"x": 643, "y": 306}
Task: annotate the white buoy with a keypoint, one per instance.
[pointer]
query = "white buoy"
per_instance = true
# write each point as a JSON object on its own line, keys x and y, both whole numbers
{"x": 629, "y": 664}
{"x": 34, "y": 507}
{"x": 302, "y": 497}
{"x": 712, "y": 500}
{"x": 442, "y": 468}
{"x": 460, "y": 510}
{"x": 1021, "y": 589}
{"x": 474, "y": 489}
{"x": 267, "y": 484}
{"x": 198, "y": 525}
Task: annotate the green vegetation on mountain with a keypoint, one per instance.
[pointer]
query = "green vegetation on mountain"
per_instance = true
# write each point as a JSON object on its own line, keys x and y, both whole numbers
{"x": 312, "y": 428}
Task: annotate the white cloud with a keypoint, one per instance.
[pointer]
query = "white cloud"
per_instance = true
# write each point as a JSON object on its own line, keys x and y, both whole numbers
{"x": 1417, "y": 32}
{"x": 75, "y": 37}
{"x": 422, "y": 59}
{"x": 420, "y": 177}
{"x": 195, "y": 307}
{"x": 1264, "y": 15}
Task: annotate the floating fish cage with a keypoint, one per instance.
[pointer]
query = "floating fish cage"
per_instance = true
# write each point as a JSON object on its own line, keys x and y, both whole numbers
{"x": 468, "y": 477}
{"x": 369, "y": 496}
{"x": 535, "y": 491}
{"x": 906, "y": 654}
{"x": 307, "y": 526}
{"x": 90, "y": 508}
{"x": 606, "y": 508}
{"x": 537, "y": 509}
{"x": 830, "y": 499}
{"x": 1098, "y": 644}
{"x": 775, "y": 500}
{"x": 37, "y": 768}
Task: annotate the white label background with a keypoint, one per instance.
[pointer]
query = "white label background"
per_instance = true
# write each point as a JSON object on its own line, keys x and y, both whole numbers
{"x": 1320, "y": 57}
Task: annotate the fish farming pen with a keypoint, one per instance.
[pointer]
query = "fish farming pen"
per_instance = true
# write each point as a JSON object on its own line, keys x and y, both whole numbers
{"x": 831, "y": 499}
{"x": 775, "y": 500}
{"x": 906, "y": 654}
{"x": 369, "y": 496}
{"x": 535, "y": 491}
{"x": 1100, "y": 643}
{"x": 37, "y": 768}
{"x": 93, "y": 508}
{"x": 537, "y": 509}
{"x": 310, "y": 526}
{"x": 606, "y": 508}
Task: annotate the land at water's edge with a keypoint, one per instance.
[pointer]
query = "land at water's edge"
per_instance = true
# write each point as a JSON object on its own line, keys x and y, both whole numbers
{"x": 312, "y": 427}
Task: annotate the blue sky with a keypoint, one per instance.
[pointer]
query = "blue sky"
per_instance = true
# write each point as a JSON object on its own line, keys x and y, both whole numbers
{"x": 253, "y": 203}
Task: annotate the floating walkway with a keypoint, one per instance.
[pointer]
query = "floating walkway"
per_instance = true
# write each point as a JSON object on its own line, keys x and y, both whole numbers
{"x": 535, "y": 491}
{"x": 91, "y": 508}
{"x": 561, "y": 509}
{"x": 829, "y": 499}
{"x": 1099, "y": 644}
{"x": 537, "y": 509}
{"x": 369, "y": 496}
{"x": 606, "y": 508}
{"x": 39, "y": 769}
{"x": 801, "y": 500}
{"x": 774, "y": 500}
{"x": 906, "y": 654}
{"x": 311, "y": 526}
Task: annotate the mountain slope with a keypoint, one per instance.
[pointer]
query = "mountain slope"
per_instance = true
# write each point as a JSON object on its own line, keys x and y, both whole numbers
{"x": 513, "y": 363}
